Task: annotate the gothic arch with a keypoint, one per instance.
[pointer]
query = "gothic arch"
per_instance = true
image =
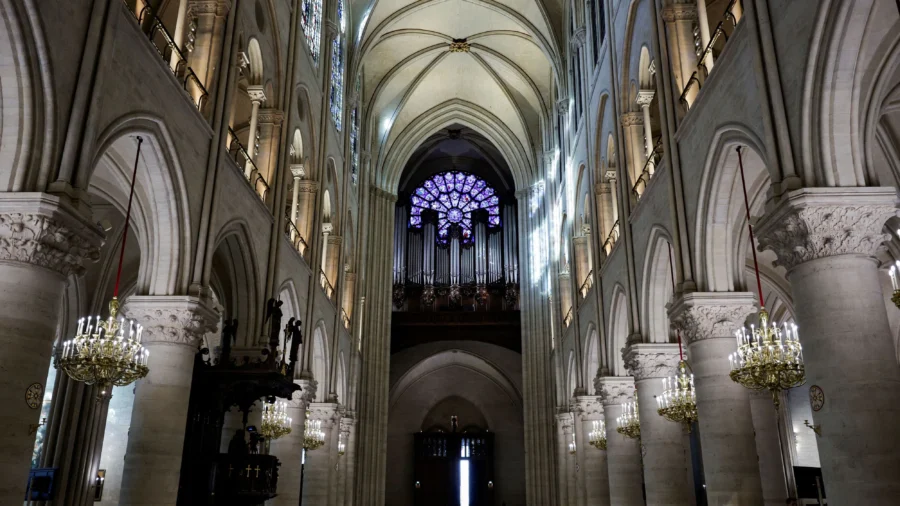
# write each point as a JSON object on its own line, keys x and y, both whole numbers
{"x": 617, "y": 335}
{"x": 234, "y": 265}
{"x": 656, "y": 291}
{"x": 320, "y": 363}
{"x": 591, "y": 357}
{"x": 161, "y": 211}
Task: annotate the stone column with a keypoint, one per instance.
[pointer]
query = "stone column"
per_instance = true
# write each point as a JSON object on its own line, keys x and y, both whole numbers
{"x": 771, "y": 465}
{"x": 826, "y": 238}
{"x": 306, "y": 203}
{"x": 633, "y": 128}
{"x": 679, "y": 19}
{"x": 623, "y": 454}
{"x": 593, "y": 476}
{"x": 664, "y": 469}
{"x": 289, "y": 449}
{"x": 703, "y": 26}
{"x": 605, "y": 213}
{"x": 347, "y": 299}
{"x": 298, "y": 172}
{"x": 327, "y": 229}
{"x": 582, "y": 268}
{"x": 565, "y": 296}
{"x": 333, "y": 260}
{"x": 644, "y": 99}
{"x": 43, "y": 241}
{"x": 708, "y": 321}
{"x": 566, "y": 467}
{"x": 257, "y": 97}
{"x": 346, "y": 462}
{"x": 269, "y": 128}
{"x": 204, "y": 59}
{"x": 317, "y": 472}
{"x": 178, "y": 35}
{"x": 173, "y": 326}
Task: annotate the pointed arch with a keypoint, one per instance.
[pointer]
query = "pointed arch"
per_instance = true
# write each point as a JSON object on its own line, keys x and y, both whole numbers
{"x": 235, "y": 267}
{"x": 617, "y": 334}
{"x": 657, "y": 290}
{"x": 321, "y": 360}
{"x": 591, "y": 357}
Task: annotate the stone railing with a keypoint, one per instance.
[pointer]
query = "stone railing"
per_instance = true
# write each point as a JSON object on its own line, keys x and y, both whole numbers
{"x": 611, "y": 238}
{"x": 649, "y": 168}
{"x": 587, "y": 285}
{"x": 293, "y": 235}
{"x": 172, "y": 55}
{"x": 567, "y": 320}
{"x": 326, "y": 286}
{"x": 245, "y": 163}
{"x": 717, "y": 40}
{"x": 345, "y": 318}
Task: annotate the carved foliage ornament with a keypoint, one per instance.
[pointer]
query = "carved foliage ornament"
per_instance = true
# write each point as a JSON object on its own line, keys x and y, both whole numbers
{"x": 812, "y": 232}
{"x": 589, "y": 407}
{"x": 680, "y": 12}
{"x": 707, "y": 321}
{"x": 614, "y": 393}
{"x": 644, "y": 364}
{"x": 41, "y": 240}
{"x": 183, "y": 324}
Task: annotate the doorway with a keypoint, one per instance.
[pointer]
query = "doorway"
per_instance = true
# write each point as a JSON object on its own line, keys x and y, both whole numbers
{"x": 454, "y": 469}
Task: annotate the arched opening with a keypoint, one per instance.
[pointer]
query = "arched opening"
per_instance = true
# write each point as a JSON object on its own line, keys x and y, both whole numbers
{"x": 250, "y": 142}
{"x": 320, "y": 362}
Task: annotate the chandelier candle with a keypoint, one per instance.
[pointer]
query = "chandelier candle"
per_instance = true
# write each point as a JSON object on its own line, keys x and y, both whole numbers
{"x": 678, "y": 402}
{"x": 275, "y": 422}
{"x": 597, "y": 435}
{"x": 895, "y": 285}
{"x": 629, "y": 423}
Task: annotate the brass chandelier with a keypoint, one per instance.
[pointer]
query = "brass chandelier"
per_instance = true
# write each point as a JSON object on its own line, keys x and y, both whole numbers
{"x": 108, "y": 352}
{"x": 767, "y": 357}
{"x": 597, "y": 435}
{"x": 275, "y": 422}
{"x": 313, "y": 435}
{"x": 629, "y": 423}
{"x": 678, "y": 402}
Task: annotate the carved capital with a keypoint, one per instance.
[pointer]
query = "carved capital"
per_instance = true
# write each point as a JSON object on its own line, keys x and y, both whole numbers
{"x": 365, "y": 156}
{"x": 379, "y": 193}
{"x": 708, "y": 315}
{"x": 579, "y": 36}
{"x": 645, "y": 98}
{"x": 562, "y": 106}
{"x": 327, "y": 228}
{"x": 330, "y": 30}
{"x": 256, "y": 93}
{"x": 646, "y": 360}
{"x": 298, "y": 171}
{"x": 813, "y": 223}
{"x": 549, "y": 157}
{"x": 632, "y": 119}
{"x": 38, "y": 229}
{"x": 348, "y": 425}
{"x": 307, "y": 394}
{"x": 615, "y": 390}
{"x": 171, "y": 319}
{"x": 565, "y": 422}
{"x": 589, "y": 407}
{"x": 307, "y": 186}
{"x": 680, "y": 12}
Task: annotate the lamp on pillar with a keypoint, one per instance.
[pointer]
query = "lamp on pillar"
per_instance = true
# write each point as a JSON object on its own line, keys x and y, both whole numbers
{"x": 768, "y": 357}
{"x": 313, "y": 435}
{"x": 108, "y": 352}
{"x": 629, "y": 423}
{"x": 597, "y": 435}
{"x": 895, "y": 269}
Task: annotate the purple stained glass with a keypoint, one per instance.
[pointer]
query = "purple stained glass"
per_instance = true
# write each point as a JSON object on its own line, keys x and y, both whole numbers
{"x": 454, "y": 195}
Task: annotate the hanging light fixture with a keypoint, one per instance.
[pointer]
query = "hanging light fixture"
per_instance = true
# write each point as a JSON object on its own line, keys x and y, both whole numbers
{"x": 313, "y": 435}
{"x": 342, "y": 447}
{"x": 597, "y": 435}
{"x": 768, "y": 357}
{"x": 678, "y": 402}
{"x": 895, "y": 272}
{"x": 108, "y": 352}
{"x": 573, "y": 448}
{"x": 275, "y": 422}
{"x": 629, "y": 423}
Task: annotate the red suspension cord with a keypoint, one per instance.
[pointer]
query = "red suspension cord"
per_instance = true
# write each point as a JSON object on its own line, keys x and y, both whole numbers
{"x": 127, "y": 217}
{"x": 672, "y": 275}
{"x": 762, "y": 303}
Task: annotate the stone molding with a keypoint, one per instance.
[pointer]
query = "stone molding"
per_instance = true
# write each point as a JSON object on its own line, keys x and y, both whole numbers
{"x": 615, "y": 390}
{"x": 629, "y": 119}
{"x": 307, "y": 394}
{"x": 549, "y": 157}
{"x": 217, "y": 7}
{"x": 562, "y": 106}
{"x": 327, "y": 412}
{"x": 813, "y": 223}
{"x": 386, "y": 195}
{"x": 330, "y": 30}
{"x": 348, "y": 425}
{"x": 589, "y": 407}
{"x": 651, "y": 360}
{"x": 40, "y": 229}
{"x": 602, "y": 188}
{"x": 307, "y": 186}
{"x": 298, "y": 171}
{"x": 707, "y": 315}
{"x": 579, "y": 37}
{"x": 680, "y": 12}
{"x": 171, "y": 319}
{"x": 269, "y": 115}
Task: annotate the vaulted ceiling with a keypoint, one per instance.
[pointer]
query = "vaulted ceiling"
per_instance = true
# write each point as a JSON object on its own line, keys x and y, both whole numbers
{"x": 499, "y": 82}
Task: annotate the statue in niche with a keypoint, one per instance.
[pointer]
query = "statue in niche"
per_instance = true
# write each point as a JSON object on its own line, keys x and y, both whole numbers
{"x": 296, "y": 341}
{"x": 273, "y": 317}
{"x": 229, "y": 338}
{"x": 287, "y": 337}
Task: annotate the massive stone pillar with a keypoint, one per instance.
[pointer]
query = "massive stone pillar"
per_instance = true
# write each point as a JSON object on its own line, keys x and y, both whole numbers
{"x": 771, "y": 457}
{"x": 826, "y": 238}
{"x": 173, "y": 326}
{"x": 708, "y": 322}
{"x": 289, "y": 449}
{"x": 318, "y": 477}
{"x": 623, "y": 454}
{"x": 662, "y": 440}
{"x": 346, "y": 462}
{"x": 42, "y": 242}
{"x": 593, "y": 475}
{"x": 566, "y": 461}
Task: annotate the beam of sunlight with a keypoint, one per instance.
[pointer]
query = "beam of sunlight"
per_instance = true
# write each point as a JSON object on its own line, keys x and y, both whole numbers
{"x": 463, "y": 482}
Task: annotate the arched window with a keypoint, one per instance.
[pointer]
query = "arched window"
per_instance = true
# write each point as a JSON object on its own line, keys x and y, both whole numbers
{"x": 337, "y": 70}
{"x": 311, "y": 21}
{"x": 354, "y": 137}
{"x": 454, "y": 196}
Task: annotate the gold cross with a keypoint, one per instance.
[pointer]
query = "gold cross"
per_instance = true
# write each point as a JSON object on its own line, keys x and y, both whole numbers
{"x": 248, "y": 470}
{"x": 257, "y": 471}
